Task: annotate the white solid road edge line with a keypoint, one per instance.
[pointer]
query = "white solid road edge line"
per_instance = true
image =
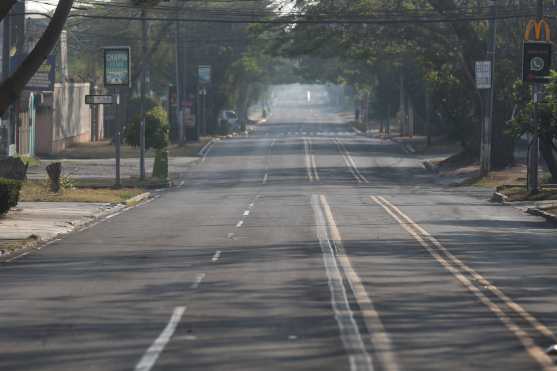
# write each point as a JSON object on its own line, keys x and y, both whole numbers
{"x": 205, "y": 147}
{"x": 359, "y": 358}
{"x": 152, "y": 354}
{"x": 378, "y": 335}
{"x": 350, "y": 163}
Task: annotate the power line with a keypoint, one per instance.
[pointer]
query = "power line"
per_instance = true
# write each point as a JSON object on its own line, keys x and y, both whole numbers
{"x": 303, "y": 20}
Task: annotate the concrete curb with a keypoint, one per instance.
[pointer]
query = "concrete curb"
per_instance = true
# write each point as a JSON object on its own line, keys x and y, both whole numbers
{"x": 4, "y": 253}
{"x": 358, "y": 131}
{"x": 137, "y": 199}
{"x": 544, "y": 214}
{"x": 38, "y": 244}
{"x": 406, "y": 147}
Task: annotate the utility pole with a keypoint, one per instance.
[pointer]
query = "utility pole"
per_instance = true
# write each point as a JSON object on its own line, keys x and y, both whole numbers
{"x": 428, "y": 115}
{"x": 142, "y": 104}
{"x": 534, "y": 148}
{"x": 402, "y": 106}
{"x": 5, "y": 73}
{"x": 117, "y": 137}
{"x": 179, "y": 112}
{"x": 487, "y": 124}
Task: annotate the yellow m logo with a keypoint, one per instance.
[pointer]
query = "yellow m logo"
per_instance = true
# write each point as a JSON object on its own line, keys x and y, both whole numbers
{"x": 536, "y": 30}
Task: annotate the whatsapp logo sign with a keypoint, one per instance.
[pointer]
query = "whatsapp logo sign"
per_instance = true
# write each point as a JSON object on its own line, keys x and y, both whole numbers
{"x": 537, "y": 64}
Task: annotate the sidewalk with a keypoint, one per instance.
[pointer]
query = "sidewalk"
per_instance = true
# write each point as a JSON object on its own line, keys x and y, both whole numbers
{"x": 464, "y": 175}
{"x": 34, "y": 222}
{"x": 439, "y": 150}
{"x": 105, "y": 168}
{"x": 96, "y": 161}
{"x": 92, "y": 165}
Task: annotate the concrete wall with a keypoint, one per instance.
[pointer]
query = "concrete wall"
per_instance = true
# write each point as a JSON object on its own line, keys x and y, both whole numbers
{"x": 65, "y": 120}
{"x": 71, "y": 117}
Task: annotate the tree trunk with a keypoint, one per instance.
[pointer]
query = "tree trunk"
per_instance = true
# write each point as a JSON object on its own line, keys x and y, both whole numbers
{"x": 5, "y": 7}
{"x": 502, "y": 145}
{"x": 13, "y": 85}
{"x": 548, "y": 154}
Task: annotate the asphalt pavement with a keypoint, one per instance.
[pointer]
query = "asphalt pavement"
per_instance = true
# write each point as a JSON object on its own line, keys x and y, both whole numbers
{"x": 303, "y": 246}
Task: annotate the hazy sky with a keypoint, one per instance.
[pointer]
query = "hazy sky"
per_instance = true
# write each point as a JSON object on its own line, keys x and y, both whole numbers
{"x": 40, "y": 5}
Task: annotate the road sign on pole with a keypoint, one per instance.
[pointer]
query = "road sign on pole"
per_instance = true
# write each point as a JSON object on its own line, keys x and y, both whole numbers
{"x": 483, "y": 75}
{"x": 536, "y": 65}
{"x": 99, "y": 99}
{"x": 117, "y": 66}
{"x": 204, "y": 75}
{"x": 536, "y": 62}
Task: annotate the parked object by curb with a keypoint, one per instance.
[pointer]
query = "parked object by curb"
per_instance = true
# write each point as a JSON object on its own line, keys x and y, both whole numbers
{"x": 428, "y": 165}
{"x": 499, "y": 197}
{"x": 539, "y": 212}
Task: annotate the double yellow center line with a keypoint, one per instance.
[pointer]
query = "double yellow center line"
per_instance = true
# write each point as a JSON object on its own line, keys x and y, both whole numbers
{"x": 491, "y": 296}
{"x": 311, "y": 166}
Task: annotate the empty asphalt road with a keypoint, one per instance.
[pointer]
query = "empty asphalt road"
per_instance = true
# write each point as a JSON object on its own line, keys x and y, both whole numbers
{"x": 301, "y": 247}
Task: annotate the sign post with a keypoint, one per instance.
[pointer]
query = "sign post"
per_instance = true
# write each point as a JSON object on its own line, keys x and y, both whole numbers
{"x": 483, "y": 75}
{"x": 117, "y": 66}
{"x": 99, "y": 99}
{"x": 43, "y": 79}
{"x": 536, "y": 66}
{"x": 484, "y": 84}
{"x": 117, "y": 72}
{"x": 203, "y": 81}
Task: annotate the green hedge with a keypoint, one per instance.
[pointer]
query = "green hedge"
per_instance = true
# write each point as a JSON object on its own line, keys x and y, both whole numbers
{"x": 156, "y": 129}
{"x": 9, "y": 194}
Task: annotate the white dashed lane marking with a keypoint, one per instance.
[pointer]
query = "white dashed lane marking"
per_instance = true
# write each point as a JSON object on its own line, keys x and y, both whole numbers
{"x": 216, "y": 257}
{"x": 198, "y": 280}
{"x": 152, "y": 354}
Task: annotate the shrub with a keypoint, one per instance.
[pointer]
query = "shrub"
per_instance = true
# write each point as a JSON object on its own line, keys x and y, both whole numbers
{"x": 9, "y": 194}
{"x": 134, "y": 106}
{"x": 160, "y": 166}
{"x": 156, "y": 129}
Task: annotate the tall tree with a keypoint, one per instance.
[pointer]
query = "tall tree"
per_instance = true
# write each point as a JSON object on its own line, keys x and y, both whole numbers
{"x": 5, "y": 7}
{"x": 11, "y": 88}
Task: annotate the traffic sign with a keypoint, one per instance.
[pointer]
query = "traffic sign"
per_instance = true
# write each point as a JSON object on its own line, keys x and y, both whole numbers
{"x": 204, "y": 75}
{"x": 43, "y": 79}
{"x": 117, "y": 66}
{"x": 99, "y": 99}
{"x": 536, "y": 62}
{"x": 483, "y": 75}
